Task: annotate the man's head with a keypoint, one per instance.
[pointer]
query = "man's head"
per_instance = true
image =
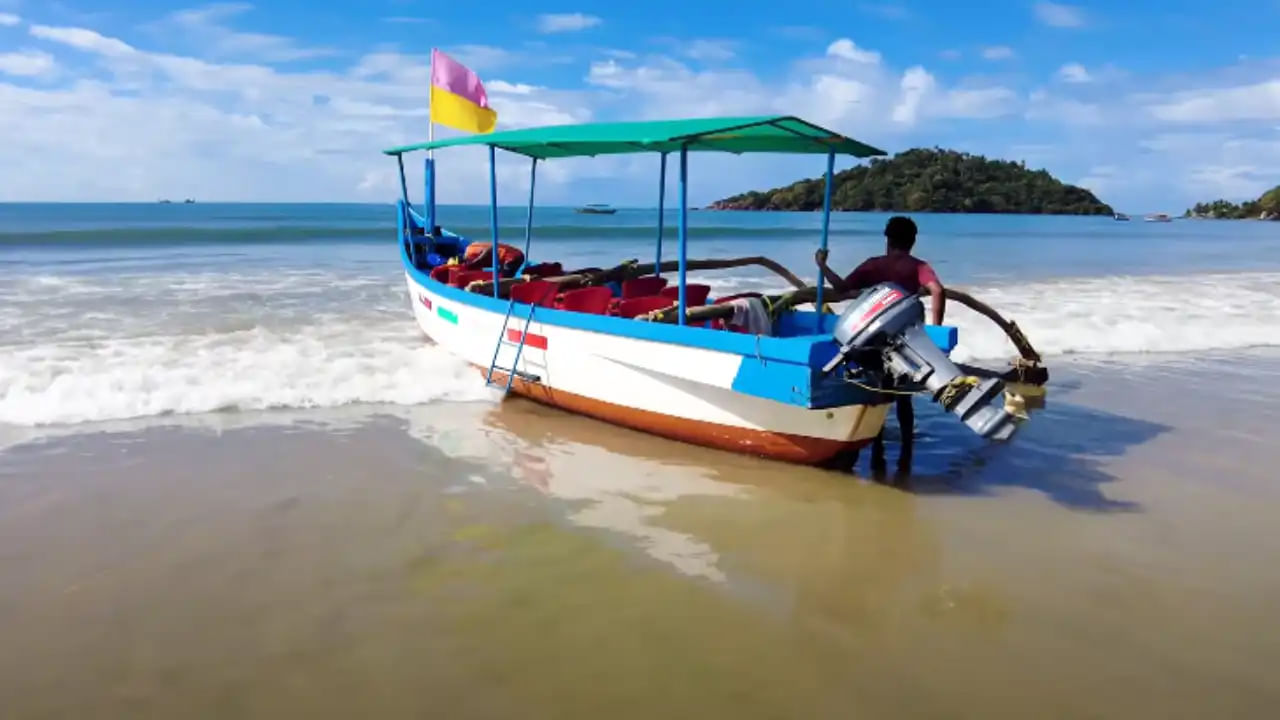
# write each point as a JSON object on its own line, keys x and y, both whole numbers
{"x": 900, "y": 233}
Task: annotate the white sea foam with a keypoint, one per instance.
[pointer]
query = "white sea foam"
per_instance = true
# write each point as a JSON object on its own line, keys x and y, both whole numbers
{"x": 1107, "y": 315}
{"x": 315, "y": 366}
{"x": 330, "y": 342}
{"x": 1127, "y": 315}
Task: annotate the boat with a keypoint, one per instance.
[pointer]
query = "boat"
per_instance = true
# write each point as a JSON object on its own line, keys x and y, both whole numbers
{"x": 1122, "y": 217}
{"x": 1158, "y": 217}
{"x": 596, "y": 209}
{"x": 780, "y": 376}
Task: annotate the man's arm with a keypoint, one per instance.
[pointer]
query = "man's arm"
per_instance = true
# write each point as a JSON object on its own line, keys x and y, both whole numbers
{"x": 939, "y": 303}
{"x": 836, "y": 281}
{"x": 929, "y": 280}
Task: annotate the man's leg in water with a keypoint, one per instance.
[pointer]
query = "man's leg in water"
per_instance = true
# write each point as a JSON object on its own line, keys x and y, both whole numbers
{"x": 906, "y": 428}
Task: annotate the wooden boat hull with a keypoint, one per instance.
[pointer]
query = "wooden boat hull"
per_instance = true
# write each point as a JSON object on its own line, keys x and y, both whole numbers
{"x": 671, "y": 390}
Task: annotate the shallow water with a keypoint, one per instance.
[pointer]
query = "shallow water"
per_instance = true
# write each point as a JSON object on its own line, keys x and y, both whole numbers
{"x": 472, "y": 560}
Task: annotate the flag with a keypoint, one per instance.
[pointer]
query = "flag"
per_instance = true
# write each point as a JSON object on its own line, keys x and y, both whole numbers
{"x": 457, "y": 97}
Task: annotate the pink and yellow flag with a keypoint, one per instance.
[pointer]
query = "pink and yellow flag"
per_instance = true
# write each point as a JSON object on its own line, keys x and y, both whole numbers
{"x": 457, "y": 97}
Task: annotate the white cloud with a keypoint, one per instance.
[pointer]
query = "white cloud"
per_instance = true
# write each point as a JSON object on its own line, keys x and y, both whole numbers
{"x": 1074, "y": 73}
{"x": 1068, "y": 111}
{"x": 950, "y": 54}
{"x": 9, "y": 19}
{"x": 916, "y": 83}
{"x": 710, "y": 50}
{"x": 83, "y": 39}
{"x": 997, "y": 52}
{"x": 501, "y": 86}
{"x": 27, "y": 63}
{"x": 1059, "y": 15}
{"x": 407, "y": 20}
{"x": 566, "y": 22}
{"x": 1259, "y": 101}
{"x": 139, "y": 124}
{"x": 888, "y": 11}
{"x": 846, "y": 49}
{"x": 206, "y": 26}
{"x": 985, "y": 102}
{"x": 483, "y": 57}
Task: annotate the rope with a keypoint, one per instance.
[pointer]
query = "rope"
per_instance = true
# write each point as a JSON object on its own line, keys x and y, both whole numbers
{"x": 886, "y": 391}
{"x": 955, "y": 388}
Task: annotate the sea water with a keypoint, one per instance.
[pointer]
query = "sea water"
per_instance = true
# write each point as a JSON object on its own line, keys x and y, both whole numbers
{"x": 113, "y": 311}
{"x": 358, "y": 531}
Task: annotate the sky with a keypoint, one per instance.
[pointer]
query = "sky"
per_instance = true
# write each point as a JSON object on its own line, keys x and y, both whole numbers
{"x": 1153, "y": 105}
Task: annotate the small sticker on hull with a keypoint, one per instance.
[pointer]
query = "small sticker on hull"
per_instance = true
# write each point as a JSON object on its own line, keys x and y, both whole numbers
{"x": 446, "y": 314}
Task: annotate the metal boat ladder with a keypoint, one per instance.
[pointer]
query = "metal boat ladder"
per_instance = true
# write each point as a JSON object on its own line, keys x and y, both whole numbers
{"x": 511, "y": 372}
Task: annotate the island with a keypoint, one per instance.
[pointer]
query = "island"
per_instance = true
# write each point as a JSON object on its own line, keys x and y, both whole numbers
{"x": 931, "y": 180}
{"x": 1266, "y": 207}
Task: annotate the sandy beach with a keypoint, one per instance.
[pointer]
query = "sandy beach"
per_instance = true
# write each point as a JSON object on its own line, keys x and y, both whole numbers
{"x": 464, "y": 559}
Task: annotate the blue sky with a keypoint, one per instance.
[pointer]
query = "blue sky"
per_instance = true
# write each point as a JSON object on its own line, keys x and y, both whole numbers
{"x": 1153, "y": 105}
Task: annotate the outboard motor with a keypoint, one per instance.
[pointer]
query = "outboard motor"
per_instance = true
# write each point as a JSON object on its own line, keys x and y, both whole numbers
{"x": 888, "y": 321}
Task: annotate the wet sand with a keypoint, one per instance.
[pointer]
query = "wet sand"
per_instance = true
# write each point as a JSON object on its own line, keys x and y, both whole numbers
{"x": 473, "y": 561}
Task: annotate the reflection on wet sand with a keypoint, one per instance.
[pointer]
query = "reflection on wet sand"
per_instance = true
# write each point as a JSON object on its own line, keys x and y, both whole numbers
{"x": 479, "y": 560}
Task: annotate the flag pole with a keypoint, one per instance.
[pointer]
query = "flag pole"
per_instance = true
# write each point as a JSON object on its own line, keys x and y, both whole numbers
{"x": 431, "y": 117}
{"x": 429, "y": 201}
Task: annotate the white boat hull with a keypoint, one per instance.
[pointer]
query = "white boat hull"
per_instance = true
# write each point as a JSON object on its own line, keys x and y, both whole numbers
{"x": 668, "y": 389}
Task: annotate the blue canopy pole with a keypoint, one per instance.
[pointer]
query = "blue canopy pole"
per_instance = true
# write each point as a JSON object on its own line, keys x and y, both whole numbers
{"x": 493, "y": 213}
{"x": 404, "y": 187}
{"x": 528, "y": 223}
{"x": 404, "y": 212}
{"x": 429, "y": 193}
{"x": 826, "y": 227}
{"x": 684, "y": 227}
{"x": 662, "y": 196}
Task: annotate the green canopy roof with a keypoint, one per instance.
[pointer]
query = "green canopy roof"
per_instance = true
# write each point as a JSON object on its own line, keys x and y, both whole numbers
{"x": 759, "y": 134}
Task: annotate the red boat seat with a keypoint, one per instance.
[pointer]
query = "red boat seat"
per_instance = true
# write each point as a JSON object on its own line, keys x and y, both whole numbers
{"x": 694, "y": 294}
{"x": 632, "y": 307}
{"x": 466, "y": 277}
{"x": 535, "y": 292}
{"x": 646, "y": 286}
{"x": 441, "y": 274}
{"x": 547, "y": 269}
{"x": 594, "y": 300}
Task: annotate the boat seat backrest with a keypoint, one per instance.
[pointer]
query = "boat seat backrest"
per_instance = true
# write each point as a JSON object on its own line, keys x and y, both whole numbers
{"x": 466, "y": 277}
{"x": 547, "y": 269}
{"x": 632, "y": 307}
{"x": 535, "y": 292}
{"x": 643, "y": 286}
{"x": 694, "y": 293}
{"x": 594, "y": 300}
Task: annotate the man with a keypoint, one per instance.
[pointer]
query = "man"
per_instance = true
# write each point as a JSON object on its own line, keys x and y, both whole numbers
{"x": 900, "y": 267}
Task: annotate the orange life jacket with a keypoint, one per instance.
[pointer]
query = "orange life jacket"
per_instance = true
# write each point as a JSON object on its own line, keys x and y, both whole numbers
{"x": 479, "y": 255}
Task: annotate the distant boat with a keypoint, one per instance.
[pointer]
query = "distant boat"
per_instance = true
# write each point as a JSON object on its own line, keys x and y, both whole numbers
{"x": 1158, "y": 217}
{"x": 596, "y": 209}
{"x": 1122, "y": 217}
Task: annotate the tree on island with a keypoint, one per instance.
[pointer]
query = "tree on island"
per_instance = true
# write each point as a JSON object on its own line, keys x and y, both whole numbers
{"x": 1266, "y": 207}
{"x": 931, "y": 180}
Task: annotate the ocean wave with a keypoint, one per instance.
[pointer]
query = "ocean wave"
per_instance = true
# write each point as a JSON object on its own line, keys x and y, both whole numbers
{"x": 1127, "y": 315}
{"x": 281, "y": 351}
{"x": 328, "y": 365}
